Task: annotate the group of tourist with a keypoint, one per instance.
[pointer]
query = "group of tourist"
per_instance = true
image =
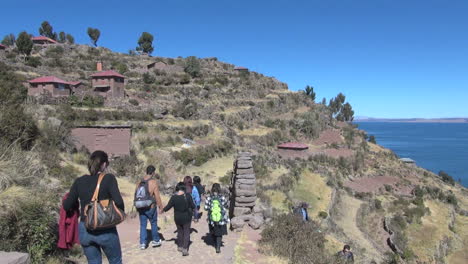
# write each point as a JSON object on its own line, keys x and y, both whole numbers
{"x": 185, "y": 201}
{"x": 102, "y": 208}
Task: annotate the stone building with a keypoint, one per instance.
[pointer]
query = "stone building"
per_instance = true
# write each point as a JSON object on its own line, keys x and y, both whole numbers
{"x": 114, "y": 140}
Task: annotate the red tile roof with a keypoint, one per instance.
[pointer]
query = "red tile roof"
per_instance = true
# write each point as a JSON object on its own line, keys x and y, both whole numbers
{"x": 48, "y": 79}
{"x": 293, "y": 145}
{"x": 74, "y": 83}
{"x": 110, "y": 73}
{"x": 43, "y": 39}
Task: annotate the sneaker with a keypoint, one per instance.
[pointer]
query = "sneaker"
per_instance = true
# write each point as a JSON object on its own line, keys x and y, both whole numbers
{"x": 156, "y": 243}
{"x": 185, "y": 252}
{"x": 142, "y": 246}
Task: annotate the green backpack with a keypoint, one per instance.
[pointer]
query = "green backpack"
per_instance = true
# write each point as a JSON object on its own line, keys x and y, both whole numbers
{"x": 216, "y": 212}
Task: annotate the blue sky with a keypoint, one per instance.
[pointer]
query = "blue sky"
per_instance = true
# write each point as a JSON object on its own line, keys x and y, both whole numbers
{"x": 390, "y": 58}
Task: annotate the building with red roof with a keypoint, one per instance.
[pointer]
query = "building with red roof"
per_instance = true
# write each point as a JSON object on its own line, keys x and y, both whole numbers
{"x": 293, "y": 146}
{"x": 41, "y": 40}
{"x": 49, "y": 85}
{"x": 2, "y": 47}
{"x": 108, "y": 84}
{"x": 241, "y": 69}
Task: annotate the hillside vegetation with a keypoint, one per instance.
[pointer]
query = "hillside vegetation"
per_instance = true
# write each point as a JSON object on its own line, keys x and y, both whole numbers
{"x": 351, "y": 185}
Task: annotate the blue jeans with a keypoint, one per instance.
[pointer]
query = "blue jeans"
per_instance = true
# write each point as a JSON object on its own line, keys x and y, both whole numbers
{"x": 151, "y": 215}
{"x": 93, "y": 242}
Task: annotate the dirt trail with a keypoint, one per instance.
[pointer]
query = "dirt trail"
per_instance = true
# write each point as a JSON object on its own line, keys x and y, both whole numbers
{"x": 348, "y": 222}
{"x": 201, "y": 250}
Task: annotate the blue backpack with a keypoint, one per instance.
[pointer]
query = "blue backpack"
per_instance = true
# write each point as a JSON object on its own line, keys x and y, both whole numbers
{"x": 196, "y": 196}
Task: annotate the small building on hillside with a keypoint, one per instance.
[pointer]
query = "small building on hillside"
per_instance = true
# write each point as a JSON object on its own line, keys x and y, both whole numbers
{"x": 293, "y": 146}
{"x": 49, "y": 85}
{"x": 41, "y": 40}
{"x": 2, "y": 47}
{"x": 241, "y": 69}
{"x": 407, "y": 161}
{"x": 160, "y": 65}
{"x": 114, "y": 140}
{"x": 108, "y": 84}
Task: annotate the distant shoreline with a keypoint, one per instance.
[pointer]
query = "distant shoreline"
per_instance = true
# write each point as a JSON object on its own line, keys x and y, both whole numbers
{"x": 414, "y": 120}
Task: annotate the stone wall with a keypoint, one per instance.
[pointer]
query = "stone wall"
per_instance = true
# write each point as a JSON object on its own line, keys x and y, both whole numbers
{"x": 244, "y": 208}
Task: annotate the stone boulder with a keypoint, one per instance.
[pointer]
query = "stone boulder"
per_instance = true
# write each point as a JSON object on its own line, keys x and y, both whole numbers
{"x": 238, "y": 211}
{"x": 238, "y": 222}
{"x": 246, "y": 199}
{"x": 14, "y": 258}
{"x": 246, "y": 176}
{"x": 256, "y": 222}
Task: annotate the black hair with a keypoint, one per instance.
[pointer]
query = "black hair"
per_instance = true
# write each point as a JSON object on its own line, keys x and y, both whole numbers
{"x": 150, "y": 169}
{"x": 197, "y": 179}
{"x": 180, "y": 187}
{"x": 96, "y": 160}
{"x": 346, "y": 247}
{"x": 216, "y": 188}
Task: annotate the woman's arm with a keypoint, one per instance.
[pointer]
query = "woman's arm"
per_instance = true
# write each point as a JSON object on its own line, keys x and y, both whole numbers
{"x": 72, "y": 197}
{"x": 115, "y": 192}
{"x": 169, "y": 205}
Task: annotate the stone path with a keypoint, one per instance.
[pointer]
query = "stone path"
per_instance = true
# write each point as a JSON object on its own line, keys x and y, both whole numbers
{"x": 201, "y": 251}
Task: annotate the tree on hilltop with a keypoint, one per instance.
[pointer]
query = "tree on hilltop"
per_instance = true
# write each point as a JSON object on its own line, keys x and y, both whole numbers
{"x": 24, "y": 43}
{"x": 70, "y": 39}
{"x": 94, "y": 35}
{"x": 47, "y": 30}
{"x": 192, "y": 66}
{"x": 309, "y": 91}
{"x": 145, "y": 43}
{"x": 340, "y": 110}
{"x": 9, "y": 40}
{"x": 62, "y": 37}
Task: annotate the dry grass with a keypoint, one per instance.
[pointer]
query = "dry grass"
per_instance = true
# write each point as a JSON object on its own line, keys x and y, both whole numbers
{"x": 278, "y": 200}
{"x": 273, "y": 176}
{"x": 234, "y": 110}
{"x": 259, "y": 131}
{"x": 246, "y": 252}
{"x": 424, "y": 238}
{"x": 332, "y": 244}
{"x": 211, "y": 171}
{"x": 460, "y": 253}
{"x": 19, "y": 167}
{"x": 312, "y": 188}
{"x": 346, "y": 220}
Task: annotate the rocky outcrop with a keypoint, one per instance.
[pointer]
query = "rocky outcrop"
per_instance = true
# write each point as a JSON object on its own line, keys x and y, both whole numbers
{"x": 244, "y": 195}
{"x": 14, "y": 258}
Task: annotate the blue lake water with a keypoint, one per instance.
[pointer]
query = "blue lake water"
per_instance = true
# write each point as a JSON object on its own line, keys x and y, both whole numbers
{"x": 434, "y": 146}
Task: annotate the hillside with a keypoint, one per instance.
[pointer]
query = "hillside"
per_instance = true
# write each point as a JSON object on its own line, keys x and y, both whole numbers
{"x": 352, "y": 186}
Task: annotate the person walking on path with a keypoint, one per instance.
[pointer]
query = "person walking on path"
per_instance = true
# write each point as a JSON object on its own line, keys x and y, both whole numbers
{"x": 346, "y": 255}
{"x": 201, "y": 192}
{"x": 189, "y": 189}
{"x": 216, "y": 205}
{"x": 83, "y": 189}
{"x": 183, "y": 212}
{"x": 147, "y": 202}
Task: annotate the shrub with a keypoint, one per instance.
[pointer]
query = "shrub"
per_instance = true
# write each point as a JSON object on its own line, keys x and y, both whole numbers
{"x": 377, "y": 204}
{"x": 372, "y": 139}
{"x": 126, "y": 165}
{"x": 323, "y": 214}
{"x": 29, "y": 226}
{"x": 446, "y": 178}
{"x": 33, "y": 62}
{"x": 192, "y": 66}
{"x": 305, "y": 243}
{"x": 133, "y": 102}
{"x": 226, "y": 179}
{"x": 148, "y": 78}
